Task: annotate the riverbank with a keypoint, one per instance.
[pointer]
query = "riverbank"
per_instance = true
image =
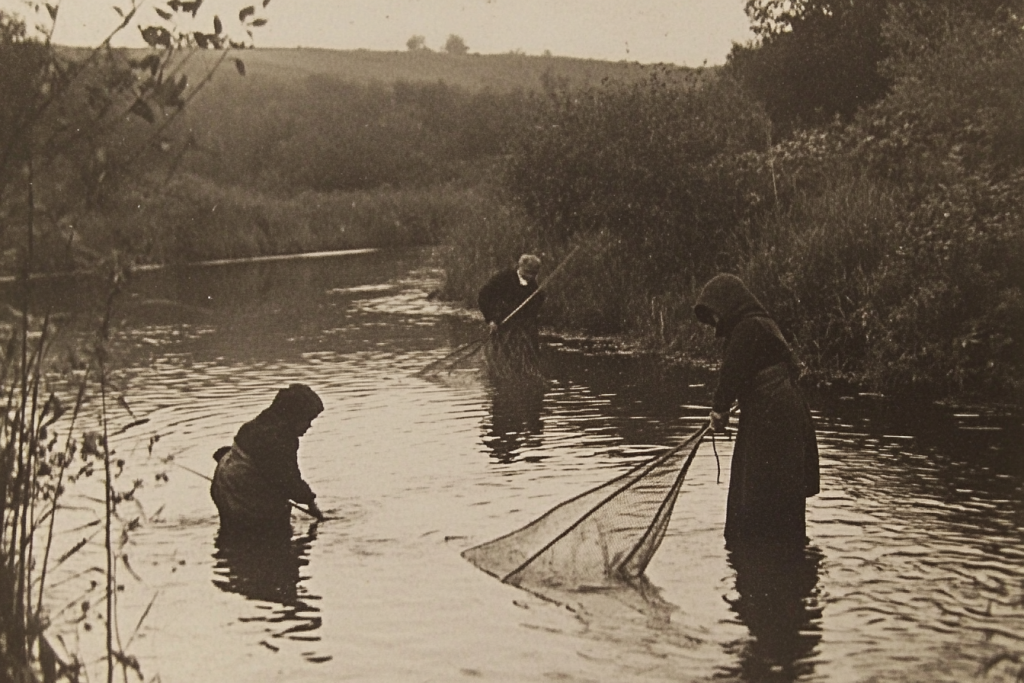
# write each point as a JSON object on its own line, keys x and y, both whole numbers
{"x": 194, "y": 219}
{"x": 607, "y": 292}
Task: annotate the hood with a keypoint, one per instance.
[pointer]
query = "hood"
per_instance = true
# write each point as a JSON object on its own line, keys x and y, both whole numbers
{"x": 727, "y": 297}
{"x": 297, "y": 401}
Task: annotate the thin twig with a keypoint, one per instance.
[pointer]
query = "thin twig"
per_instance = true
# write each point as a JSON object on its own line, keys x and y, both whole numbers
{"x": 65, "y": 461}
{"x": 23, "y": 126}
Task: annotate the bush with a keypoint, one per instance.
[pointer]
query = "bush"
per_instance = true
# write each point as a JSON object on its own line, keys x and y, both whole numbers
{"x": 326, "y": 134}
{"x": 948, "y": 311}
{"x": 814, "y": 268}
{"x": 899, "y": 260}
{"x": 650, "y": 163}
{"x": 890, "y": 248}
{"x": 815, "y": 60}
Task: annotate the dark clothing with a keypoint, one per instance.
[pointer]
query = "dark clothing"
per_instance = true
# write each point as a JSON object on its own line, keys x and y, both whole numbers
{"x": 248, "y": 502}
{"x": 515, "y": 346}
{"x": 503, "y": 293}
{"x": 775, "y": 462}
{"x": 754, "y": 344}
{"x": 257, "y": 477}
{"x": 273, "y": 446}
{"x": 296, "y": 402}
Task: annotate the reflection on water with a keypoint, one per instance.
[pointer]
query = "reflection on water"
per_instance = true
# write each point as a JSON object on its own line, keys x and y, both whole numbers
{"x": 776, "y": 599}
{"x": 267, "y": 569}
{"x": 515, "y": 423}
{"x": 916, "y": 571}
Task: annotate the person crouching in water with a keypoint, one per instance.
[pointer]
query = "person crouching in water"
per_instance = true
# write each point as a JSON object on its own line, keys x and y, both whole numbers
{"x": 259, "y": 474}
{"x": 775, "y": 461}
{"x": 514, "y": 347}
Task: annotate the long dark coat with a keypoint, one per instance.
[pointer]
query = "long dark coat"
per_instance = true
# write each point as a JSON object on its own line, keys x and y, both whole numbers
{"x": 775, "y": 462}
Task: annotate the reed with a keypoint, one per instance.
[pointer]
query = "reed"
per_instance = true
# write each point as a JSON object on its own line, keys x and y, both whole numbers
{"x": 194, "y": 219}
{"x": 44, "y": 450}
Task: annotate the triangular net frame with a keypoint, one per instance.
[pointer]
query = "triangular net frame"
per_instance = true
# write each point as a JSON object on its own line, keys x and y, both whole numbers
{"x": 599, "y": 538}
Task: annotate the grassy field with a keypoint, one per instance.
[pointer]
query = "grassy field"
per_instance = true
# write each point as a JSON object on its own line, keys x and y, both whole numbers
{"x": 504, "y": 73}
{"x": 314, "y": 149}
{"x": 474, "y": 72}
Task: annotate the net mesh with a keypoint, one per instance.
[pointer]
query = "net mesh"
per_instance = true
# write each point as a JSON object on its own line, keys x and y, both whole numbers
{"x": 599, "y": 538}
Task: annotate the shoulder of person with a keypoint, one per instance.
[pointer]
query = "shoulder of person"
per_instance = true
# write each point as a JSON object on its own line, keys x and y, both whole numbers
{"x": 502, "y": 276}
{"x": 749, "y": 325}
{"x": 750, "y": 330}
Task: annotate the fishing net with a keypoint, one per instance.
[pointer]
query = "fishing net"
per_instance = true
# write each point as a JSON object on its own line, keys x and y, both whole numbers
{"x": 506, "y": 357}
{"x": 465, "y": 356}
{"x": 597, "y": 539}
{"x": 513, "y": 357}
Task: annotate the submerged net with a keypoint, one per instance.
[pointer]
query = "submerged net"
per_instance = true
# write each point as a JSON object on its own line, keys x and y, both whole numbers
{"x": 599, "y": 538}
{"x": 463, "y": 356}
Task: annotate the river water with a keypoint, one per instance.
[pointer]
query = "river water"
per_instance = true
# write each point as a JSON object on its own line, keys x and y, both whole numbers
{"x": 914, "y": 572}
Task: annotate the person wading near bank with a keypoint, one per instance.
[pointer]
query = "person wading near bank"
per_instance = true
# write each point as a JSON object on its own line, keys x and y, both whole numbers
{"x": 259, "y": 474}
{"x": 515, "y": 342}
{"x": 775, "y": 462}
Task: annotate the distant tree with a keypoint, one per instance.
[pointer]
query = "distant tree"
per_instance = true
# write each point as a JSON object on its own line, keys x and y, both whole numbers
{"x": 416, "y": 43}
{"x": 455, "y": 45}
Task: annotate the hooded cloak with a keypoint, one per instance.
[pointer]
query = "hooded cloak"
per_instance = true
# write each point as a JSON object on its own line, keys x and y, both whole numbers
{"x": 775, "y": 462}
{"x": 259, "y": 474}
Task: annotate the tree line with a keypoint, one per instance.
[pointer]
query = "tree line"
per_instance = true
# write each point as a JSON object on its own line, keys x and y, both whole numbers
{"x": 454, "y": 45}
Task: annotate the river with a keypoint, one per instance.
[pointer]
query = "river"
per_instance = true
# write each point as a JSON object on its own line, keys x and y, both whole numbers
{"x": 914, "y": 571}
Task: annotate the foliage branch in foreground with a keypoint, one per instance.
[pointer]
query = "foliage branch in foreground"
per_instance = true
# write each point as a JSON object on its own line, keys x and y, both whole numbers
{"x": 73, "y": 125}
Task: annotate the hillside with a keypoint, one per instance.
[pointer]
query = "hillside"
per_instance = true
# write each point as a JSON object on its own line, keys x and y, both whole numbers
{"x": 474, "y": 72}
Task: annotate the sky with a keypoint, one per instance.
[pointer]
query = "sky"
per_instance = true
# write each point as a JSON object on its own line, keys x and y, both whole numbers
{"x": 683, "y": 32}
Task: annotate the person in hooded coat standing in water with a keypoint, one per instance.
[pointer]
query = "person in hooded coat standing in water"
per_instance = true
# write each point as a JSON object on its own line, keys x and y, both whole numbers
{"x": 259, "y": 474}
{"x": 775, "y": 461}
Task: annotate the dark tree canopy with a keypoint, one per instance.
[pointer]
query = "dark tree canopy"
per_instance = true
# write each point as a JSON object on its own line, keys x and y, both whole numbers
{"x": 815, "y": 60}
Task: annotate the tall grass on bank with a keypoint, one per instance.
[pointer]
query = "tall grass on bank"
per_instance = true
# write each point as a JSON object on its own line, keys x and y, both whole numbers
{"x": 815, "y": 265}
{"x": 597, "y": 293}
{"x": 490, "y": 238}
{"x": 193, "y": 219}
